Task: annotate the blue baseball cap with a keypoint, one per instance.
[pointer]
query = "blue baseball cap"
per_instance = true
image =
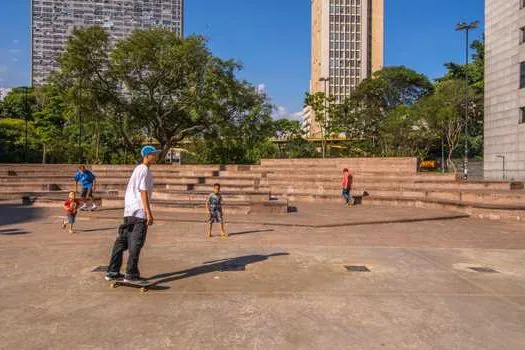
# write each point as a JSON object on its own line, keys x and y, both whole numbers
{"x": 147, "y": 150}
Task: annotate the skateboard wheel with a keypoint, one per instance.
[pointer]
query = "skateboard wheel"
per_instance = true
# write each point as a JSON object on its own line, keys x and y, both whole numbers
{"x": 143, "y": 290}
{"x": 113, "y": 285}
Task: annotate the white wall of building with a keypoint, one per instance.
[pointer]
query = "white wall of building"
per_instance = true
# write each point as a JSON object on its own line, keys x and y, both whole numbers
{"x": 504, "y": 133}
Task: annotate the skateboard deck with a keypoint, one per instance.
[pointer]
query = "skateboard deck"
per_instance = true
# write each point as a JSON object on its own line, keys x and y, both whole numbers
{"x": 143, "y": 287}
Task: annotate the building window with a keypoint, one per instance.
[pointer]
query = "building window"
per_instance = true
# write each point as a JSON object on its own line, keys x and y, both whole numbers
{"x": 522, "y": 115}
{"x": 522, "y": 4}
{"x": 522, "y": 75}
{"x": 522, "y": 34}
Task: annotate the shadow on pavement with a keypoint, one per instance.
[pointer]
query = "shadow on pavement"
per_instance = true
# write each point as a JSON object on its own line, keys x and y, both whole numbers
{"x": 249, "y": 232}
{"x": 11, "y": 213}
{"x": 99, "y": 229}
{"x": 229, "y": 264}
{"x": 13, "y": 232}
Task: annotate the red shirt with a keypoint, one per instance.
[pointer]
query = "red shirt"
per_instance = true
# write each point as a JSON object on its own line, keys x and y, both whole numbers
{"x": 346, "y": 183}
{"x": 72, "y": 205}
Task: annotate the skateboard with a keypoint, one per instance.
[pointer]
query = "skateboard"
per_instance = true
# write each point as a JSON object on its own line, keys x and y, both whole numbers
{"x": 144, "y": 286}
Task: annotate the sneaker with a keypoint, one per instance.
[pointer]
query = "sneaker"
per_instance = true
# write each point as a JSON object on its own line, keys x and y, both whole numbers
{"x": 93, "y": 207}
{"x": 135, "y": 280}
{"x": 112, "y": 276}
{"x": 83, "y": 207}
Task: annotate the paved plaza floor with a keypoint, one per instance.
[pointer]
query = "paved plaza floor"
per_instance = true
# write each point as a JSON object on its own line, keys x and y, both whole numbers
{"x": 277, "y": 283}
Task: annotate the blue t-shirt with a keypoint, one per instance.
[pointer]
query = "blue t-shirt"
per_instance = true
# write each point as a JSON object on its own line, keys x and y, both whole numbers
{"x": 85, "y": 178}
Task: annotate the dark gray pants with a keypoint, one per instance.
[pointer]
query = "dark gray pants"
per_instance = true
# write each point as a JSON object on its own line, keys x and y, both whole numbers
{"x": 131, "y": 237}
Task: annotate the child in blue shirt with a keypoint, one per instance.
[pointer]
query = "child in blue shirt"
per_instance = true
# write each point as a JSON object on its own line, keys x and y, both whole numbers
{"x": 87, "y": 182}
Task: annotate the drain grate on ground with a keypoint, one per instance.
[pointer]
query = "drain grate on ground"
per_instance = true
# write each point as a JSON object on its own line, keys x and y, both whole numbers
{"x": 357, "y": 268}
{"x": 100, "y": 269}
{"x": 483, "y": 269}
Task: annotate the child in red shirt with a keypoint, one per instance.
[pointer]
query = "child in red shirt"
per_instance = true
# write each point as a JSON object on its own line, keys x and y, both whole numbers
{"x": 71, "y": 206}
{"x": 346, "y": 187}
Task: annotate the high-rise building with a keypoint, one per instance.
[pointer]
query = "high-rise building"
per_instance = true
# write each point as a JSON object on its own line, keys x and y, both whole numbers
{"x": 347, "y": 47}
{"x": 504, "y": 149}
{"x": 53, "y": 20}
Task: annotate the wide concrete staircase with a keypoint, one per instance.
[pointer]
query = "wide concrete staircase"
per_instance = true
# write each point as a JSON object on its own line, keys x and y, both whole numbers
{"x": 272, "y": 185}
{"x": 393, "y": 182}
{"x": 177, "y": 188}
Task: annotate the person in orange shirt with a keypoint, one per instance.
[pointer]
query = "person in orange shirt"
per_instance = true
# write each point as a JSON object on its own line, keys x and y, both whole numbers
{"x": 71, "y": 206}
{"x": 346, "y": 187}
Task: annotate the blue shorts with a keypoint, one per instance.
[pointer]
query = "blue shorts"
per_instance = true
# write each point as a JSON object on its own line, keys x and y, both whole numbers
{"x": 71, "y": 218}
{"x": 215, "y": 216}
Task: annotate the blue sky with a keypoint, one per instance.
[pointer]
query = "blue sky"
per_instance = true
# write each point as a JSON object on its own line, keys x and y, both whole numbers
{"x": 272, "y": 39}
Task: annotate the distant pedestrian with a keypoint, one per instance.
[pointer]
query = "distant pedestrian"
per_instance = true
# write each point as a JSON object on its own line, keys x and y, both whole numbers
{"x": 71, "y": 206}
{"x": 214, "y": 207}
{"x": 346, "y": 187}
{"x": 88, "y": 184}
{"x": 137, "y": 217}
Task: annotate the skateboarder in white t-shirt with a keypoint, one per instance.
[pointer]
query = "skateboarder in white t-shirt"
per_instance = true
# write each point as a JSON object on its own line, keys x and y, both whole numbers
{"x": 137, "y": 218}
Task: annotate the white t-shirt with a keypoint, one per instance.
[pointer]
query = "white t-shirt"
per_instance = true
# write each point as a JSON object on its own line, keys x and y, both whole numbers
{"x": 141, "y": 181}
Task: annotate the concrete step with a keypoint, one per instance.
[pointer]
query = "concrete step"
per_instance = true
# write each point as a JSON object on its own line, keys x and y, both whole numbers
{"x": 500, "y": 197}
{"x": 228, "y": 197}
{"x": 410, "y": 184}
{"x": 406, "y": 163}
{"x": 336, "y": 176}
{"x": 489, "y": 211}
{"x": 208, "y": 187}
{"x": 239, "y": 207}
{"x": 121, "y": 186}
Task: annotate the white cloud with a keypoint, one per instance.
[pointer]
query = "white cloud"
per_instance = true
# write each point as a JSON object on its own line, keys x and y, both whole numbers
{"x": 261, "y": 87}
{"x": 279, "y": 112}
{"x": 296, "y": 116}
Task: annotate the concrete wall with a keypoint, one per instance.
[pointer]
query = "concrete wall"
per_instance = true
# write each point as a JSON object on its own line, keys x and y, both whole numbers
{"x": 504, "y": 135}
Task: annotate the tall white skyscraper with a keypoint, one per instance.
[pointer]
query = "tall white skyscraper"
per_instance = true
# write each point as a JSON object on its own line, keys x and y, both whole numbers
{"x": 347, "y": 47}
{"x": 53, "y": 20}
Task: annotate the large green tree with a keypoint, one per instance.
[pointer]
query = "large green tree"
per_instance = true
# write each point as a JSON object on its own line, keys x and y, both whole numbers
{"x": 362, "y": 115}
{"x": 444, "y": 111}
{"x": 292, "y": 141}
{"x": 322, "y": 106}
{"x": 18, "y": 102}
{"x": 155, "y": 84}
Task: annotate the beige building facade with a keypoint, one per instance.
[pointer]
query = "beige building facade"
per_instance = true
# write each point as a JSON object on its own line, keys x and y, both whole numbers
{"x": 347, "y": 47}
{"x": 504, "y": 145}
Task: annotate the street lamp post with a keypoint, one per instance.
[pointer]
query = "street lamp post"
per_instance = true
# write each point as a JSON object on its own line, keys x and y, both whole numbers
{"x": 79, "y": 113}
{"x": 26, "y": 114}
{"x": 463, "y": 26}
{"x": 325, "y": 80}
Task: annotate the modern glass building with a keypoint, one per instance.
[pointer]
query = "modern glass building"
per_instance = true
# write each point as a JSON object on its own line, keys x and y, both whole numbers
{"x": 53, "y": 20}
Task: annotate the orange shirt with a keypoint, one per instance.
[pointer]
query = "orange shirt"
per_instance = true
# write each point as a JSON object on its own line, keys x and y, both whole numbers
{"x": 346, "y": 183}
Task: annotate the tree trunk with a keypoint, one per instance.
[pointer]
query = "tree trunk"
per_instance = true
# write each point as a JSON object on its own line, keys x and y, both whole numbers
{"x": 450, "y": 163}
{"x": 97, "y": 142}
{"x": 165, "y": 145}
